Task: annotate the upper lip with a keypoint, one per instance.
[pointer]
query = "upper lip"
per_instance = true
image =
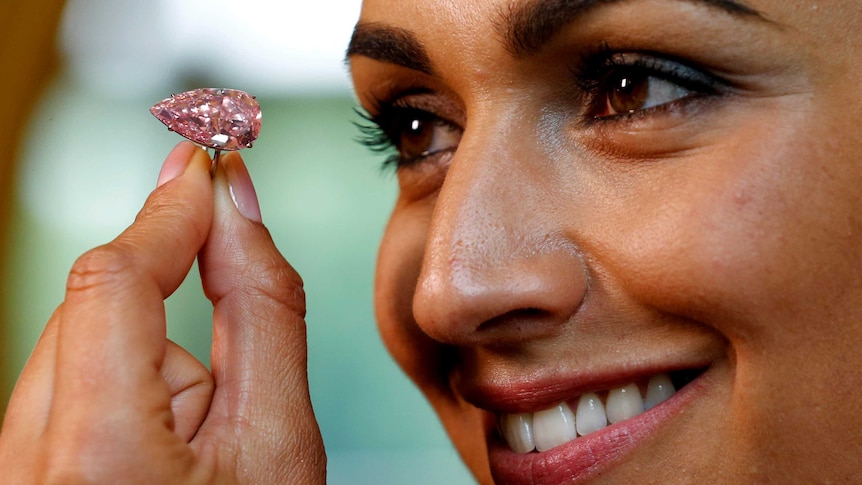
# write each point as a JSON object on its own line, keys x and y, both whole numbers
{"x": 522, "y": 394}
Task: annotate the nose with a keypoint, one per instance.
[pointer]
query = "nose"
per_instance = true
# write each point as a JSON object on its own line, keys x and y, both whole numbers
{"x": 500, "y": 265}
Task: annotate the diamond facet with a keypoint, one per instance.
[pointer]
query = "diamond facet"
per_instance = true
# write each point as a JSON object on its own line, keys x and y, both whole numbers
{"x": 222, "y": 119}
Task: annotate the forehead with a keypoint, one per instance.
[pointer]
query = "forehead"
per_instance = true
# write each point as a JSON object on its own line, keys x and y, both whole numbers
{"x": 450, "y": 23}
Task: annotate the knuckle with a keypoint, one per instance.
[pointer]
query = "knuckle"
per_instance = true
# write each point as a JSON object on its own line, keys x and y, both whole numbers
{"x": 278, "y": 282}
{"x": 170, "y": 214}
{"x": 100, "y": 268}
{"x": 157, "y": 204}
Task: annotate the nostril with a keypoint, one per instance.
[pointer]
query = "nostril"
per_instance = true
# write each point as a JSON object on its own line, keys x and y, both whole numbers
{"x": 520, "y": 324}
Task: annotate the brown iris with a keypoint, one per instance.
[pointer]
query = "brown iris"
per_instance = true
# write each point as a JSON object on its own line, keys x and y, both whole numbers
{"x": 629, "y": 92}
{"x": 416, "y": 138}
{"x": 421, "y": 134}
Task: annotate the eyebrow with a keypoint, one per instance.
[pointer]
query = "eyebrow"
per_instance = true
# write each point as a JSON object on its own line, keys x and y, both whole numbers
{"x": 525, "y": 28}
{"x": 390, "y": 44}
{"x": 529, "y": 26}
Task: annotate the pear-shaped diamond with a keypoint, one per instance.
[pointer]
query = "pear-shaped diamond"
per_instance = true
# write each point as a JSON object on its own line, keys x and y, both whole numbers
{"x": 223, "y": 119}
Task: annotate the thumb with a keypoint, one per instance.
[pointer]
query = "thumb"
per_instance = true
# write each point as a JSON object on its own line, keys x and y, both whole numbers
{"x": 261, "y": 407}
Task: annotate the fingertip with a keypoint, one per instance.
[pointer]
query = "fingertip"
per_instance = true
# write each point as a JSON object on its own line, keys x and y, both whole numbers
{"x": 176, "y": 162}
{"x": 240, "y": 187}
{"x": 201, "y": 163}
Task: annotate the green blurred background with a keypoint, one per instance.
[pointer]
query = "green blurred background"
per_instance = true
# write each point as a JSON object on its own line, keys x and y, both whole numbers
{"x": 93, "y": 152}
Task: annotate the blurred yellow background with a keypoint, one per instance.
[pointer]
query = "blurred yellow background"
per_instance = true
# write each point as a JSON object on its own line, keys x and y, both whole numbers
{"x": 91, "y": 151}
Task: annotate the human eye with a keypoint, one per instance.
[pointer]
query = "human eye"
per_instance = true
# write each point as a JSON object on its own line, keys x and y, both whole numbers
{"x": 626, "y": 85}
{"x": 413, "y": 134}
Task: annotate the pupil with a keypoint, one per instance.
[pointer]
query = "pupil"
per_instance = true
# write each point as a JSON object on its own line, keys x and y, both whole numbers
{"x": 630, "y": 93}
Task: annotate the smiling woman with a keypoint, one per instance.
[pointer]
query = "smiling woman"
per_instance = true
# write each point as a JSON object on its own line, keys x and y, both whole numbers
{"x": 626, "y": 248}
{"x": 616, "y": 220}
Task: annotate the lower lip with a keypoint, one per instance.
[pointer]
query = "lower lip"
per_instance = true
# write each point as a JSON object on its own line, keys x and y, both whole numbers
{"x": 579, "y": 460}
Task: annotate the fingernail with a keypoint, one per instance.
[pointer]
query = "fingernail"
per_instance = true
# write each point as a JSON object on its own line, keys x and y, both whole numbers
{"x": 176, "y": 162}
{"x": 241, "y": 189}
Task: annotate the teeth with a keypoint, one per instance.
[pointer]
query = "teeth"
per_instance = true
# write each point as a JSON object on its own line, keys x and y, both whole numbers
{"x": 553, "y": 427}
{"x": 543, "y": 430}
{"x": 518, "y": 431}
{"x": 591, "y": 414}
{"x": 659, "y": 390}
{"x": 624, "y": 403}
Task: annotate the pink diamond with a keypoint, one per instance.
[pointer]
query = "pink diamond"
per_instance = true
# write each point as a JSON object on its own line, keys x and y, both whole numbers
{"x": 223, "y": 119}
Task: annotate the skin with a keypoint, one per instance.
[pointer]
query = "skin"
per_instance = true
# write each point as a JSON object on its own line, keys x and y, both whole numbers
{"x": 721, "y": 231}
{"x": 106, "y": 398}
{"x": 538, "y": 252}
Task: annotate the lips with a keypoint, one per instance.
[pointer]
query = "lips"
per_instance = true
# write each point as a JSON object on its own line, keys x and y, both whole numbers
{"x": 568, "y": 441}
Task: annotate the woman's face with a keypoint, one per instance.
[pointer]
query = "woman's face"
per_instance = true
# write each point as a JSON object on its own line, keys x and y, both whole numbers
{"x": 604, "y": 201}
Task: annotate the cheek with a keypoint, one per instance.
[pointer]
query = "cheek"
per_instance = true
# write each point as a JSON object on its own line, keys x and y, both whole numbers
{"x": 398, "y": 267}
{"x": 747, "y": 237}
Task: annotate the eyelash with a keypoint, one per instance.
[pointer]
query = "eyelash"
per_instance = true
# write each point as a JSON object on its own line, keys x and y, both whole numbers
{"x": 597, "y": 67}
{"x": 381, "y": 131}
{"x": 373, "y": 136}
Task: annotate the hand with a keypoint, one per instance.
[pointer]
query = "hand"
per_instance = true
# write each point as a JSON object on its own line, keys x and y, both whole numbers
{"x": 106, "y": 398}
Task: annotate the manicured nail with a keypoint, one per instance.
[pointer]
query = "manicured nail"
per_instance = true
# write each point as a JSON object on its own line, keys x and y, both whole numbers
{"x": 241, "y": 189}
{"x": 176, "y": 162}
